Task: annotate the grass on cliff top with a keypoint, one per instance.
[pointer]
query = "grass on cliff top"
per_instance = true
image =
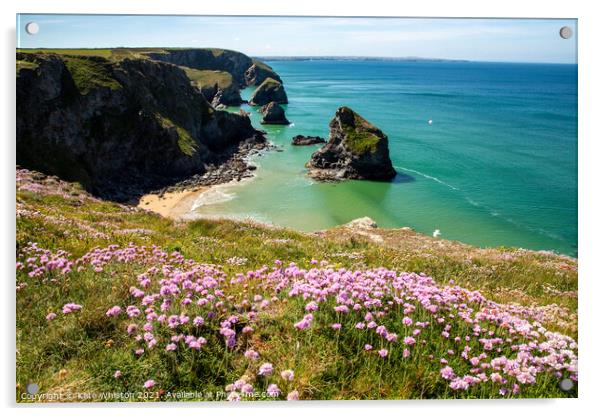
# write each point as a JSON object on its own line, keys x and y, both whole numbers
{"x": 80, "y": 352}
{"x": 360, "y": 137}
{"x": 112, "y": 53}
{"x": 262, "y": 65}
{"x": 269, "y": 83}
{"x": 208, "y": 78}
{"x": 90, "y": 73}
{"x": 21, "y": 64}
{"x": 186, "y": 143}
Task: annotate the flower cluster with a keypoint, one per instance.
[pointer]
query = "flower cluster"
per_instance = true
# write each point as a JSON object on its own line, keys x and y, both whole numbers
{"x": 180, "y": 305}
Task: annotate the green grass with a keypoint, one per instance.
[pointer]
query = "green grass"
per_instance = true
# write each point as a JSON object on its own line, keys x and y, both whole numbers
{"x": 21, "y": 64}
{"x": 89, "y": 73}
{"x": 360, "y": 137}
{"x": 186, "y": 143}
{"x": 80, "y": 352}
{"x": 207, "y": 78}
{"x": 270, "y": 83}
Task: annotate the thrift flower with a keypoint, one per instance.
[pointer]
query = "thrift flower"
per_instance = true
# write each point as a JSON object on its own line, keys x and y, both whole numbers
{"x": 288, "y": 375}
{"x": 273, "y": 390}
{"x": 266, "y": 370}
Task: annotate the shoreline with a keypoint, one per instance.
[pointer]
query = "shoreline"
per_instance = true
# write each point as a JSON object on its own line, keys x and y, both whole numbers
{"x": 175, "y": 204}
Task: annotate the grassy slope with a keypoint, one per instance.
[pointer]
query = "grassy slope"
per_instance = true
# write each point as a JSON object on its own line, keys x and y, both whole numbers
{"x": 111, "y": 53}
{"x": 209, "y": 78}
{"x": 80, "y": 352}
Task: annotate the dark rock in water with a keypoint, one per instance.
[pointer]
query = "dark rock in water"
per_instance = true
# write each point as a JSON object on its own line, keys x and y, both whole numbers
{"x": 122, "y": 128}
{"x": 300, "y": 140}
{"x": 273, "y": 114}
{"x": 355, "y": 150}
{"x": 269, "y": 90}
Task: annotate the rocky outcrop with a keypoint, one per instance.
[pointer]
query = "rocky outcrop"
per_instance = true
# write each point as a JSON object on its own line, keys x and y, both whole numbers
{"x": 244, "y": 70}
{"x": 259, "y": 72}
{"x": 226, "y": 96}
{"x": 355, "y": 150}
{"x": 269, "y": 90}
{"x": 120, "y": 128}
{"x": 300, "y": 140}
{"x": 273, "y": 114}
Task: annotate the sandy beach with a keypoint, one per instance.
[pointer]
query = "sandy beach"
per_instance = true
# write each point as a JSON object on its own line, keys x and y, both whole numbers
{"x": 172, "y": 204}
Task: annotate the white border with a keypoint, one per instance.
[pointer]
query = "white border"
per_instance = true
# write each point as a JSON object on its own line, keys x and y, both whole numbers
{"x": 590, "y": 174}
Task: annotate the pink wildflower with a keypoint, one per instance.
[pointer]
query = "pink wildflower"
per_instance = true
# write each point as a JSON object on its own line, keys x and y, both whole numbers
{"x": 266, "y": 370}
{"x": 114, "y": 311}
{"x": 273, "y": 390}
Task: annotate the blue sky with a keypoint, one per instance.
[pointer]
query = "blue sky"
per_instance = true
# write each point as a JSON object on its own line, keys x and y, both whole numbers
{"x": 509, "y": 40}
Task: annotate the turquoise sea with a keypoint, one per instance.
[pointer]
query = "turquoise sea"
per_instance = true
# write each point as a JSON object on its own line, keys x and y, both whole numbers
{"x": 497, "y": 166}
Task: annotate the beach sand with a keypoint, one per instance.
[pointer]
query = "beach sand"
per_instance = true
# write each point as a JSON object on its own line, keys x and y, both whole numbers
{"x": 174, "y": 205}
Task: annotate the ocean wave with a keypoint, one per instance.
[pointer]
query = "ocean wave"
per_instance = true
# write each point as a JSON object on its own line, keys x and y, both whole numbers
{"x": 428, "y": 177}
{"x": 212, "y": 196}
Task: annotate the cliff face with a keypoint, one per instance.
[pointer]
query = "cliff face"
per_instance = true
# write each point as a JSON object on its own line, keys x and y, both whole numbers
{"x": 244, "y": 70}
{"x": 118, "y": 127}
{"x": 355, "y": 150}
{"x": 269, "y": 91}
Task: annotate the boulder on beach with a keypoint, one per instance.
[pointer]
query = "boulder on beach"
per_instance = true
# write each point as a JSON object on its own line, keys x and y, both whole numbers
{"x": 300, "y": 140}
{"x": 273, "y": 114}
{"x": 356, "y": 149}
{"x": 269, "y": 90}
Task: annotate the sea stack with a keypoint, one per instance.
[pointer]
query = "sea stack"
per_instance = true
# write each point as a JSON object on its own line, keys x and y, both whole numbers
{"x": 300, "y": 140}
{"x": 269, "y": 90}
{"x": 355, "y": 150}
{"x": 273, "y": 114}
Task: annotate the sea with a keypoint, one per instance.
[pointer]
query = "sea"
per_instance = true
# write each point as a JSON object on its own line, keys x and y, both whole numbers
{"x": 486, "y": 153}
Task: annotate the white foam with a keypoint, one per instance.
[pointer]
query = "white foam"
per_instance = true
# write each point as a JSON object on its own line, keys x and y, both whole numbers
{"x": 428, "y": 177}
{"x": 214, "y": 195}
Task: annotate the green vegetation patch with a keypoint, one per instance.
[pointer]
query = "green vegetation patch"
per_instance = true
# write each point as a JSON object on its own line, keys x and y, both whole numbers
{"x": 360, "y": 142}
{"x": 25, "y": 65}
{"x": 270, "y": 83}
{"x": 82, "y": 351}
{"x": 208, "y": 78}
{"x": 102, "y": 53}
{"x": 186, "y": 143}
{"x": 90, "y": 72}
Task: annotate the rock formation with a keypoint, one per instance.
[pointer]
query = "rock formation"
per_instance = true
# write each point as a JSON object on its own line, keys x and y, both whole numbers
{"x": 119, "y": 126}
{"x": 300, "y": 140}
{"x": 355, "y": 150}
{"x": 244, "y": 70}
{"x": 258, "y": 72}
{"x": 269, "y": 90}
{"x": 273, "y": 114}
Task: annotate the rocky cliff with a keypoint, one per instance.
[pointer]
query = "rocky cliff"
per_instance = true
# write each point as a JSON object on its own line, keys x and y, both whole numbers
{"x": 355, "y": 150}
{"x": 119, "y": 127}
{"x": 269, "y": 90}
{"x": 244, "y": 70}
{"x": 273, "y": 114}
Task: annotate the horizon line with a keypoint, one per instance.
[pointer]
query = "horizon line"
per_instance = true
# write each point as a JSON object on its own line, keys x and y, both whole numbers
{"x": 322, "y": 57}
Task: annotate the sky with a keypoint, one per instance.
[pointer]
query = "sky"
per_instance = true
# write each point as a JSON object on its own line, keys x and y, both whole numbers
{"x": 505, "y": 40}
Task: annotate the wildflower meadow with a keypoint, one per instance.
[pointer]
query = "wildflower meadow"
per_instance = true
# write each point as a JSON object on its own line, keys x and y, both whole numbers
{"x": 172, "y": 314}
